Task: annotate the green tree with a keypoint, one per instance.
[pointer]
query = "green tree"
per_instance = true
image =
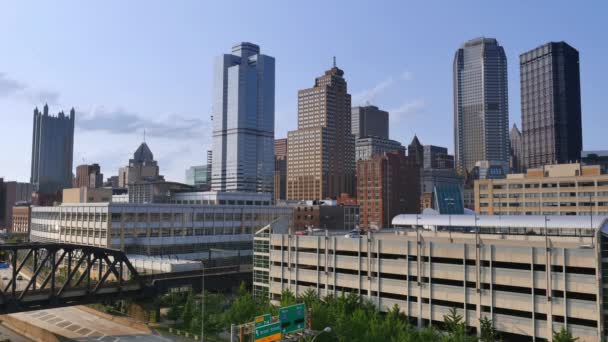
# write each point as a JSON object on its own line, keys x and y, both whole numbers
{"x": 287, "y": 298}
{"x": 456, "y": 328}
{"x": 188, "y": 310}
{"x": 487, "y": 331}
{"x": 564, "y": 335}
{"x": 243, "y": 308}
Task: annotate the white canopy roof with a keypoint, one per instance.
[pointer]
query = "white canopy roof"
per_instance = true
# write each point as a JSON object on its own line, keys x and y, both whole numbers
{"x": 519, "y": 221}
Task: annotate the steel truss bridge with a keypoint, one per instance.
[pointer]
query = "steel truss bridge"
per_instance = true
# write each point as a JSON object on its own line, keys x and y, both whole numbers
{"x": 47, "y": 275}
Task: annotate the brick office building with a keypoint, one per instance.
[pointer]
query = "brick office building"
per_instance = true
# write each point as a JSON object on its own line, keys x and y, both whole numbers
{"x": 387, "y": 185}
{"x": 21, "y": 218}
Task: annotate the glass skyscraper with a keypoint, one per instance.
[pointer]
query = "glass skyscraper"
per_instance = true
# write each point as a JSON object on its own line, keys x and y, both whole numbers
{"x": 243, "y": 121}
{"x": 481, "y": 113}
{"x": 550, "y": 105}
{"x": 52, "y": 151}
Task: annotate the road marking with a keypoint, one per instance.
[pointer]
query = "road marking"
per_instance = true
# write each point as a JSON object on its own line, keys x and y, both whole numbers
{"x": 54, "y": 320}
{"x": 73, "y": 327}
{"x": 63, "y": 324}
{"x": 84, "y": 331}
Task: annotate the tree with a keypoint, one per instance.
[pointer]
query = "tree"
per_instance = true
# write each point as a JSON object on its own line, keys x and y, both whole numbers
{"x": 456, "y": 327}
{"x": 564, "y": 335}
{"x": 188, "y": 310}
{"x": 487, "y": 333}
{"x": 243, "y": 308}
{"x": 287, "y": 298}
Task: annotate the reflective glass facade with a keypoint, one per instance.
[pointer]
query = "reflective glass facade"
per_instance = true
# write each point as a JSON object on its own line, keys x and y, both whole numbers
{"x": 52, "y": 151}
{"x": 243, "y": 121}
{"x": 550, "y": 105}
{"x": 481, "y": 113}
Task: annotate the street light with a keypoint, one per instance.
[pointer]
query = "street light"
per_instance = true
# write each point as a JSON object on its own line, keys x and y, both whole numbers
{"x": 325, "y": 330}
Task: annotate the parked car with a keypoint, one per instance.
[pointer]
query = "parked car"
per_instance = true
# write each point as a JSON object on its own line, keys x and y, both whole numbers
{"x": 353, "y": 235}
{"x": 301, "y": 232}
{"x": 20, "y": 277}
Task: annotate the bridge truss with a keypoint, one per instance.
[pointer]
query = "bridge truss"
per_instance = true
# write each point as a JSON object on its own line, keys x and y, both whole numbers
{"x": 43, "y": 275}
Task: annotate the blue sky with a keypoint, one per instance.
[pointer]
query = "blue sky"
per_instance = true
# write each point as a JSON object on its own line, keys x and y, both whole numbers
{"x": 130, "y": 65}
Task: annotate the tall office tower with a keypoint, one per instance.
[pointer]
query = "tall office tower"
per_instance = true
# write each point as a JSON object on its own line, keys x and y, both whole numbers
{"x": 321, "y": 152}
{"x": 89, "y": 176}
{"x": 142, "y": 167}
{"x": 52, "y": 151}
{"x": 481, "y": 113}
{"x": 280, "y": 169}
{"x": 415, "y": 151}
{"x": 369, "y": 121}
{"x": 550, "y": 105}
{"x": 243, "y": 121}
{"x": 516, "y": 150}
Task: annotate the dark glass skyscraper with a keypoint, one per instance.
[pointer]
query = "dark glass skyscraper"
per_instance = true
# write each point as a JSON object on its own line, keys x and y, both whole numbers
{"x": 550, "y": 105}
{"x": 52, "y": 151}
{"x": 481, "y": 113}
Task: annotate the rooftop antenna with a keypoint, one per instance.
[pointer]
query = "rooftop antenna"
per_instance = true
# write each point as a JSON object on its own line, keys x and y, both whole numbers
{"x": 334, "y": 61}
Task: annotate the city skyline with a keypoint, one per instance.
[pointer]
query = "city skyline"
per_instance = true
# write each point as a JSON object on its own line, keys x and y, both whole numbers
{"x": 121, "y": 83}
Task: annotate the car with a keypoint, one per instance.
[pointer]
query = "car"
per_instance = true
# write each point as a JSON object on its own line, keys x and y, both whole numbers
{"x": 301, "y": 232}
{"x": 5, "y": 278}
{"x": 316, "y": 231}
{"x": 353, "y": 235}
{"x": 20, "y": 277}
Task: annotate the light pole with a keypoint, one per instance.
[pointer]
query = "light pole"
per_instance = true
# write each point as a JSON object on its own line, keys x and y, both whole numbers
{"x": 325, "y": 330}
{"x": 203, "y": 301}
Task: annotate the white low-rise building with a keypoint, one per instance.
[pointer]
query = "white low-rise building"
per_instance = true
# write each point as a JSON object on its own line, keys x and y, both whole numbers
{"x": 186, "y": 231}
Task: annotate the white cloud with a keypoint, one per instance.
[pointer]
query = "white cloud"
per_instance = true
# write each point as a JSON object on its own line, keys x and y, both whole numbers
{"x": 408, "y": 109}
{"x": 407, "y": 76}
{"x": 9, "y": 86}
{"x": 120, "y": 121}
{"x": 13, "y": 88}
{"x": 370, "y": 94}
{"x": 177, "y": 141}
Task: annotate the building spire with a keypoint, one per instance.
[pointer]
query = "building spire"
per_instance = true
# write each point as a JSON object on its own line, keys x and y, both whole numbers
{"x": 144, "y": 135}
{"x": 334, "y": 61}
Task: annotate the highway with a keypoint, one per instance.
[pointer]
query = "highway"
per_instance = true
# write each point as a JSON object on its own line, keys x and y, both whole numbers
{"x": 72, "y": 323}
{"x": 7, "y": 273}
{"x": 79, "y": 325}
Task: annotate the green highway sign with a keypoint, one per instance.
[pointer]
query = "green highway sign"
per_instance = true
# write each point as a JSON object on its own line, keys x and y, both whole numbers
{"x": 267, "y": 333}
{"x": 262, "y": 320}
{"x": 292, "y": 318}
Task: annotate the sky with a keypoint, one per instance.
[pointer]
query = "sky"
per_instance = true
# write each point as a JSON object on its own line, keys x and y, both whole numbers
{"x": 126, "y": 66}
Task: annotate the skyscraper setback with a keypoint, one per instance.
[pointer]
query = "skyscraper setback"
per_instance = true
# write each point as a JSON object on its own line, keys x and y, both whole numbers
{"x": 481, "y": 113}
{"x": 550, "y": 105}
{"x": 369, "y": 121}
{"x": 243, "y": 121}
{"x": 52, "y": 151}
{"x": 321, "y": 152}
